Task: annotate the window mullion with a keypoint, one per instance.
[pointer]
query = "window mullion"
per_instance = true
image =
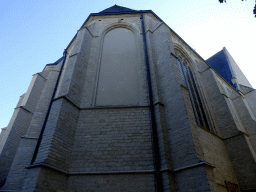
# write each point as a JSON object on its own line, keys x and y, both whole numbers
{"x": 206, "y": 124}
{"x": 193, "y": 97}
{"x": 185, "y": 82}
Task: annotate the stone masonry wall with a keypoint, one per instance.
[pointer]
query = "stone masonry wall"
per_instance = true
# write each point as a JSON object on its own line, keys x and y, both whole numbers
{"x": 215, "y": 153}
{"x": 230, "y": 131}
{"x": 250, "y": 97}
{"x": 20, "y": 123}
{"x": 112, "y": 182}
{"x": 210, "y": 148}
{"x": 28, "y": 142}
{"x": 178, "y": 116}
{"x": 19, "y": 128}
{"x": 110, "y": 148}
{"x": 112, "y": 140}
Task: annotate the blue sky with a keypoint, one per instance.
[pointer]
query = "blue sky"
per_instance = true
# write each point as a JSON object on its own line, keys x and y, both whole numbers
{"x": 35, "y": 33}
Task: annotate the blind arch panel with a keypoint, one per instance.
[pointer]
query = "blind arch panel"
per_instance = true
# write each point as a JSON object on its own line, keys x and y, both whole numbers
{"x": 118, "y": 75}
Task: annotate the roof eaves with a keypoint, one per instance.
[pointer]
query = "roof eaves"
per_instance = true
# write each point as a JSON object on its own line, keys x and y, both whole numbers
{"x": 79, "y": 29}
{"x": 113, "y": 13}
{"x": 55, "y": 63}
{"x": 146, "y": 11}
{"x": 50, "y": 64}
{"x": 59, "y": 60}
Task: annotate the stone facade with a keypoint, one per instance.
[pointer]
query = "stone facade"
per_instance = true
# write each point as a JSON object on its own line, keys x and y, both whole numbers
{"x": 132, "y": 107}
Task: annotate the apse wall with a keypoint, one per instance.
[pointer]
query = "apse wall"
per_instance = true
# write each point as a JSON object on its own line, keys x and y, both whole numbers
{"x": 113, "y": 140}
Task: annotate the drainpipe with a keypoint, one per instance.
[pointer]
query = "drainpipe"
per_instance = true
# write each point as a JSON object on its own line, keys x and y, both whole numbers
{"x": 48, "y": 111}
{"x": 157, "y": 161}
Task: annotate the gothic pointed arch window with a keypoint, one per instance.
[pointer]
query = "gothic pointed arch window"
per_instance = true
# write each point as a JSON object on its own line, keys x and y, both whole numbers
{"x": 201, "y": 114}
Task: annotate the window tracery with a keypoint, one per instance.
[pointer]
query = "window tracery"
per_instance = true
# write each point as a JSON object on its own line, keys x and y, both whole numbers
{"x": 198, "y": 105}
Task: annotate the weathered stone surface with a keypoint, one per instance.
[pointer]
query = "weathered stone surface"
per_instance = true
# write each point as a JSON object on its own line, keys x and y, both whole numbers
{"x": 98, "y": 134}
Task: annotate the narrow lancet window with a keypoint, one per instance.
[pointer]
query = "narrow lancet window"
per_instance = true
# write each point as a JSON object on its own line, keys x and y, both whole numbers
{"x": 199, "y": 109}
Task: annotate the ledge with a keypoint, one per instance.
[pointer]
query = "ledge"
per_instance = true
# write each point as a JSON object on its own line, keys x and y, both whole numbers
{"x": 205, "y": 129}
{"x": 204, "y": 70}
{"x": 114, "y": 107}
{"x": 21, "y": 107}
{"x": 40, "y": 76}
{"x": 183, "y": 86}
{"x": 173, "y": 54}
{"x": 202, "y": 163}
{"x": 113, "y": 172}
{"x": 73, "y": 55}
{"x": 158, "y": 103}
{"x": 67, "y": 99}
{"x": 240, "y": 133}
{"x": 91, "y": 173}
{"x": 88, "y": 30}
{"x": 47, "y": 166}
{"x": 28, "y": 137}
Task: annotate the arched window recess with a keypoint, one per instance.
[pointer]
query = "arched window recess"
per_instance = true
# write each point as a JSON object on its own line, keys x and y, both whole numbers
{"x": 201, "y": 114}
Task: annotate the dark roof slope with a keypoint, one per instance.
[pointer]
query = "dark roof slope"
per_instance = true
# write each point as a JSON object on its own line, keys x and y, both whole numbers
{"x": 219, "y": 62}
{"x": 117, "y": 9}
{"x": 55, "y": 63}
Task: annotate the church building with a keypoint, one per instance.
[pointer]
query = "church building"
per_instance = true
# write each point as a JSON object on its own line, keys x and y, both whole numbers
{"x": 130, "y": 106}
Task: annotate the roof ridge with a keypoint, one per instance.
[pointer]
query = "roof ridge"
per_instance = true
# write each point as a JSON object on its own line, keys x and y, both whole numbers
{"x": 116, "y": 8}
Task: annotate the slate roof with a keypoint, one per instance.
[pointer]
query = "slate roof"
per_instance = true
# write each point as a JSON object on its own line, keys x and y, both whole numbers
{"x": 117, "y": 9}
{"x": 56, "y": 62}
{"x": 219, "y": 62}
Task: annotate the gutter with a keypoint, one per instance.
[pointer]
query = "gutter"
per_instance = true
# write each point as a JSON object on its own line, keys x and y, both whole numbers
{"x": 157, "y": 160}
{"x": 48, "y": 111}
